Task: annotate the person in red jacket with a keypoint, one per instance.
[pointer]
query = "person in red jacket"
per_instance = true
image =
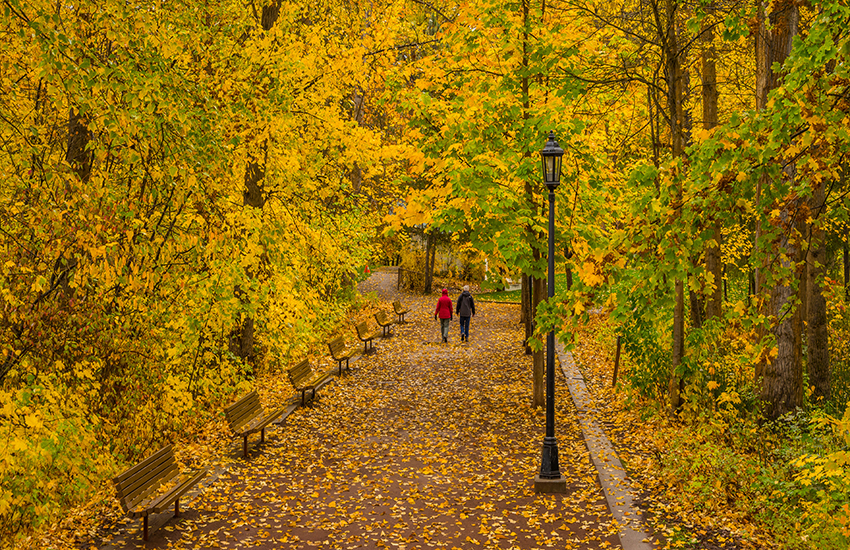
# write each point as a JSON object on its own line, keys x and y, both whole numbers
{"x": 444, "y": 313}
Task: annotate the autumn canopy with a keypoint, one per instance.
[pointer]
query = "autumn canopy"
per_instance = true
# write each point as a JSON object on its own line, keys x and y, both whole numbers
{"x": 191, "y": 190}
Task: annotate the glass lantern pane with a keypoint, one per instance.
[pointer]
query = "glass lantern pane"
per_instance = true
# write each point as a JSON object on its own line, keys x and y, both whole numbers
{"x": 548, "y": 168}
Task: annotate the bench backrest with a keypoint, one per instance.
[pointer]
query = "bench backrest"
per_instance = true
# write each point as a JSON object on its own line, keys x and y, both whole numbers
{"x": 300, "y": 372}
{"x": 139, "y": 482}
{"x": 397, "y": 307}
{"x": 381, "y": 317}
{"x": 336, "y": 346}
{"x": 362, "y": 329}
{"x": 243, "y": 410}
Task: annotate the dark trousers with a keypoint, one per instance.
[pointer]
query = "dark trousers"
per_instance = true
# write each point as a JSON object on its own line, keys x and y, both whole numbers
{"x": 464, "y": 327}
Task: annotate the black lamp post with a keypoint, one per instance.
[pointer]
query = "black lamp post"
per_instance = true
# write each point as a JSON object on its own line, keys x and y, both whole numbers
{"x": 550, "y": 480}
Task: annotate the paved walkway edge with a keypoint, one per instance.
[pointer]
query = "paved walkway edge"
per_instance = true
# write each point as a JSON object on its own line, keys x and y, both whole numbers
{"x": 612, "y": 475}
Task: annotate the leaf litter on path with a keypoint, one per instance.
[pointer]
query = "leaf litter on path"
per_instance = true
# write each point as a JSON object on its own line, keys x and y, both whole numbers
{"x": 423, "y": 445}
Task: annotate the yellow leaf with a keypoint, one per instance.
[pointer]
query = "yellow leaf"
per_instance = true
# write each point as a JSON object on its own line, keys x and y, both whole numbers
{"x": 33, "y": 421}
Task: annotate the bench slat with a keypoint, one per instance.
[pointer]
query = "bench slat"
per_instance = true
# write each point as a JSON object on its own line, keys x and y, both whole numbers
{"x": 157, "y": 472}
{"x": 243, "y": 410}
{"x": 246, "y": 403}
{"x": 300, "y": 372}
{"x": 129, "y": 472}
{"x": 149, "y": 492}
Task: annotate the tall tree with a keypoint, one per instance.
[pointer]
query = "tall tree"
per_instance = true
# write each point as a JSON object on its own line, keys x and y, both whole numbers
{"x": 713, "y": 257}
{"x": 676, "y": 111}
{"x": 782, "y": 379}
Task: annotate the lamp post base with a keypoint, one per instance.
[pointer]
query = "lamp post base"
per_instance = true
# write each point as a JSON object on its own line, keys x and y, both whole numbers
{"x": 550, "y": 485}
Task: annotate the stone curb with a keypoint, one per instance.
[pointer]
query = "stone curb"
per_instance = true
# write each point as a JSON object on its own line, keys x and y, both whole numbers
{"x": 612, "y": 475}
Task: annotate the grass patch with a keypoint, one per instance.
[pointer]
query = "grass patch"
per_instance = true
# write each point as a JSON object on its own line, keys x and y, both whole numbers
{"x": 516, "y": 295}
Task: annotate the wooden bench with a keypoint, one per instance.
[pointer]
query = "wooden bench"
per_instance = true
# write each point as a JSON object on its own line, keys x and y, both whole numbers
{"x": 385, "y": 323}
{"x": 340, "y": 352}
{"x": 153, "y": 485}
{"x": 366, "y": 337}
{"x": 400, "y": 310}
{"x": 246, "y": 416}
{"x": 304, "y": 379}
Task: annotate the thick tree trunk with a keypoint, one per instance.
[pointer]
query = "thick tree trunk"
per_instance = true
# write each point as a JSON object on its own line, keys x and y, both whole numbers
{"x": 676, "y": 382}
{"x": 714, "y": 265}
{"x": 782, "y": 381}
{"x": 803, "y": 293}
{"x": 710, "y": 95}
{"x": 817, "y": 336}
{"x": 675, "y": 95}
{"x": 697, "y": 309}
{"x": 242, "y": 335}
{"x": 762, "y": 68}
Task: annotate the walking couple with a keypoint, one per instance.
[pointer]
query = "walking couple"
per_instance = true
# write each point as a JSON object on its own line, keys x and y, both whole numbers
{"x": 465, "y": 309}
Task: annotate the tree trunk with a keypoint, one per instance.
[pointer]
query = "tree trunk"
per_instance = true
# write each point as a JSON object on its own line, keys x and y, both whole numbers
{"x": 846, "y": 249}
{"x": 433, "y": 265}
{"x": 697, "y": 309}
{"x": 428, "y": 275}
{"x": 76, "y": 154}
{"x": 538, "y": 292}
{"x": 714, "y": 265}
{"x": 242, "y": 335}
{"x": 762, "y": 68}
{"x": 529, "y": 313}
{"x": 713, "y": 259}
{"x": 675, "y": 105}
{"x": 817, "y": 336}
{"x": 525, "y": 299}
{"x": 527, "y": 281}
{"x": 782, "y": 382}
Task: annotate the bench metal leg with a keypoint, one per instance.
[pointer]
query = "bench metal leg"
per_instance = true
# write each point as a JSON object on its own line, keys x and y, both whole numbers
{"x": 263, "y": 435}
{"x": 177, "y": 508}
{"x": 145, "y": 528}
{"x": 245, "y": 446}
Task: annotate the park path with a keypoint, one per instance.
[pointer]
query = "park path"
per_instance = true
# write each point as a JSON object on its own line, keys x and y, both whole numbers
{"x": 423, "y": 445}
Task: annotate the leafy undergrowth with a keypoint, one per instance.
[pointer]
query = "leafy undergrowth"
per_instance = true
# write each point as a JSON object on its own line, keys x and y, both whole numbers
{"x": 713, "y": 478}
{"x": 200, "y": 438}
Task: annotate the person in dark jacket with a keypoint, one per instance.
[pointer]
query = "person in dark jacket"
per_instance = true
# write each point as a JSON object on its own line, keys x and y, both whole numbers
{"x": 444, "y": 312}
{"x": 465, "y": 309}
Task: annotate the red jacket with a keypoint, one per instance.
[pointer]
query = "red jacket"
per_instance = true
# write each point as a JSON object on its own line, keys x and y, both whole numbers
{"x": 444, "y": 306}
